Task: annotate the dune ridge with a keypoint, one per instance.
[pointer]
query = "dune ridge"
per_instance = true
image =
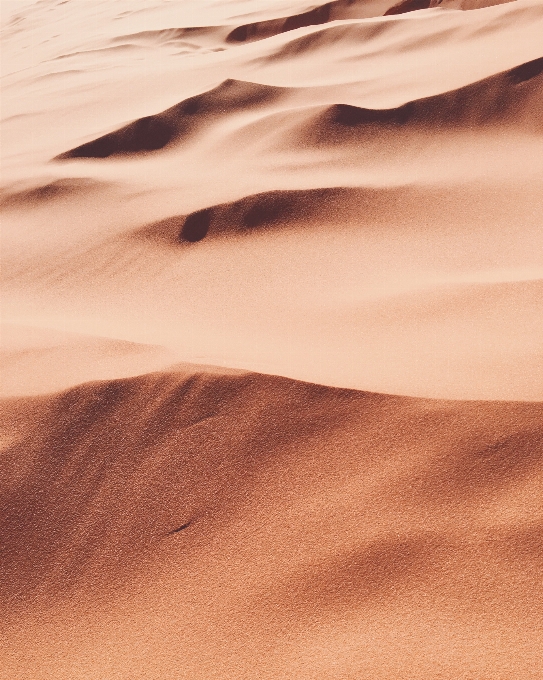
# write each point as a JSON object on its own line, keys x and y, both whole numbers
{"x": 112, "y": 485}
{"x": 271, "y": 363}
{"x": 338, "y": 10}
{"x": 156, "y": 132}
{"x": 509, "y": 98}
{"x": 501, "y": 98}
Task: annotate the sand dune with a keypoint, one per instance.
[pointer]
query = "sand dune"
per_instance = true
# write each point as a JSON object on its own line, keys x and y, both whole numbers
{"x": 331, "y": 11}
{"x": 329, "y": 189}
{"x": 272, "y": 355}
{"x": 182, "y": 501}
{"x": 499, "y": 99}
{"x": 156, "y": 132}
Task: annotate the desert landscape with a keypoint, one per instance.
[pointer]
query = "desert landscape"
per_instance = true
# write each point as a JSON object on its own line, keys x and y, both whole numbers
{"x": 272, "y": 343}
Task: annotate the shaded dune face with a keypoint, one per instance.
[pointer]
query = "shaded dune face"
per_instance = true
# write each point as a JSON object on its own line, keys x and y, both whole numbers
{"x": 106, "y": 471}
{"x": 274, "y": 210}
{"x": 512, "y": 96}
{"x": 146, "y": 134}
{"x": 527, "y": 71}
{"x": 408, "y": 6}
{"x": 264, "y": 29}
{"x": 179, "y": 122}
{"x": 373, "y": 490}
{"x": 339, "y": 10}
{"x": 413, "y": 5}
{"x": 266, "y": 210}
{"x": 468, "y": 4}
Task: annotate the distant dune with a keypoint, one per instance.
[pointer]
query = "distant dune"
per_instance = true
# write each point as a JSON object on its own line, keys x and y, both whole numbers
{"x": 156, "y": 132}
{"x": 502, "y": 98}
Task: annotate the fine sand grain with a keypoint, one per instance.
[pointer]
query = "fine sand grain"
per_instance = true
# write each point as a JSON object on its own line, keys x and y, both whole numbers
{"x": 272, "y": 346}
{"x": 199, "y": 525}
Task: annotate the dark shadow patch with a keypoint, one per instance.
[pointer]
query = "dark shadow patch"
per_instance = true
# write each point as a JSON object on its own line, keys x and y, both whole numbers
{"x": 279, "y": 209}
{"x": 526, "y": 71}
{"x": 146, "y": 134}
{"x": 266, "y": 209}
{"x": 153, "y": 133}
{"x": 256, "y": 212}
{"x": 343, "y": 114}
{"x": 181, "y": 528}
{"x": 196, "y": 226}
{"x": 408, "y": 6}
{"x": 266, "y": 29}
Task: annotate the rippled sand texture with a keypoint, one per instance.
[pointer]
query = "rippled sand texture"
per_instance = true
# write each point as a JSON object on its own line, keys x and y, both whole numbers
{"x": 203, "y": 204}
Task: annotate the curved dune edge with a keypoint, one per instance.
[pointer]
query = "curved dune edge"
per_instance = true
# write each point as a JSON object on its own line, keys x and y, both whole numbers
{"x": 337, "y": 10}
{"x": 498, "y": 99}
{"x": 334, "y": 286}
{"x": 153, "y": 133}
{"x": 288, "y": 503}
{"x": 414, "y": 5}
{"x": 344, "y": 193}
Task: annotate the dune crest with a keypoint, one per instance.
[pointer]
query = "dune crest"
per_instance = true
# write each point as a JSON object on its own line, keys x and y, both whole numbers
{"x": 508, "y": 98}
{"x": 338, "y": 10}
{"x": 497, "y": 99}
{"x": 153, "y": 133}
{"x": 129, "y": 493}
{"x": 271, "y": 352}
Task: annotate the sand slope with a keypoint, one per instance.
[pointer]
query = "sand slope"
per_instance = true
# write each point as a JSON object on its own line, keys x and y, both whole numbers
{"x": 196, "y": 525}
{"x": 361, "y": 174}
{"x": 509, "y": 98}
{"x": 204, "y": 203}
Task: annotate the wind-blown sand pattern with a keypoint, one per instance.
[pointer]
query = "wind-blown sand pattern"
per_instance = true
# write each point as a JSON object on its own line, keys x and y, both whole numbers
{"x": 272, "y": 340}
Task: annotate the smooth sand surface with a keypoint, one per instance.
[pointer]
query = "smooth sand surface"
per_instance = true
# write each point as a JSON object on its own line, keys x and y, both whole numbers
{"x": 204, "y": 203}
{"x": 408, "y": 149}
{"x": 202, "y": 525}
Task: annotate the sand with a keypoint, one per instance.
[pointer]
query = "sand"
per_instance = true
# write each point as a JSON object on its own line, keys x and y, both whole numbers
{"x": 272, "y": 352}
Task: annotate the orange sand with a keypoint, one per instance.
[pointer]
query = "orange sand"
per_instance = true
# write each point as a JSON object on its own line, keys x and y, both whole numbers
{"x": 204, "y": 203}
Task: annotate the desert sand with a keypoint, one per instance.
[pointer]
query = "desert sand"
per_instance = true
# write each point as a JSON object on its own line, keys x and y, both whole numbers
{"x": 272, "y": 341}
